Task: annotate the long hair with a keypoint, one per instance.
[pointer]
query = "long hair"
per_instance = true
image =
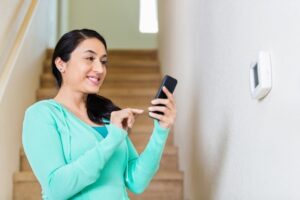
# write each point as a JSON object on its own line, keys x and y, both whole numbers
{"x": 98, "y": 107}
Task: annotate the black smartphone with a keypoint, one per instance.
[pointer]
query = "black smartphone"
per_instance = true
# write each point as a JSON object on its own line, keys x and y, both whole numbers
{"x": 170, "y": 83}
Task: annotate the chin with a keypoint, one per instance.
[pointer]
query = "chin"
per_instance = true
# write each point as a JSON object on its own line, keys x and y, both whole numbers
{"x": 89, "y": 90}
{"x": 93, "y": 91}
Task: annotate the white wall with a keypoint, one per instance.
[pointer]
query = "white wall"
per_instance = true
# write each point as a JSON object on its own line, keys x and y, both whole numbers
{"x": 20, "y": 93}
{"x": 176, "y": 51}
{"x": 233, "y": 147}
{"x": 117, "y": 21}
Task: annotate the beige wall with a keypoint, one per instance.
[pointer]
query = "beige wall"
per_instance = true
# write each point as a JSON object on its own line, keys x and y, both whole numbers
{"x": 20, "y": 93}
{"x": 233, "y": 147}
{"x": 11, "y": 12}
{"x": 8, "y": 9}
{"x": 117, "y": 21}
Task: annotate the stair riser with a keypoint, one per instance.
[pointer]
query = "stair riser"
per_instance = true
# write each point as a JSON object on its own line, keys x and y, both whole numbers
{"x": 129, "y": 99}
{"x": 128, "y": 57}
{"x": 157, "y": 189}
{"x": 30, "y": 190}
{"x": 124, "y": 54}
{"x": 164, "y": 190}
{"x": 140, "y": 78}
{"x": 168, "y": 162}
{"x": 122, "y": 70}
{"x": 142, "y": 139}
{"x": 24, "y": 164}
{"x": 118, "y": 93}
{"x": 110, "y": 84}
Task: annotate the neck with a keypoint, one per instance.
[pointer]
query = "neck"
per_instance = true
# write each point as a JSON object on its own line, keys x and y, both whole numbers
{"x": 72, "y": 99}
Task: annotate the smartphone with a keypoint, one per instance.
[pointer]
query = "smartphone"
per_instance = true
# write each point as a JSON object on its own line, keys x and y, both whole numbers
{"x": 170, "y": 83}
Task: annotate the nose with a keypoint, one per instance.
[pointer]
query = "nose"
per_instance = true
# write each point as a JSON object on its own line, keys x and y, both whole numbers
{"x": 99, "y": 67}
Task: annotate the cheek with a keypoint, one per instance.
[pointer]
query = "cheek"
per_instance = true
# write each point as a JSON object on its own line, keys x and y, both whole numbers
{"x": 104, "y": 71}
{"x": 76, "y": 73}
{"x": 104, "y": 74}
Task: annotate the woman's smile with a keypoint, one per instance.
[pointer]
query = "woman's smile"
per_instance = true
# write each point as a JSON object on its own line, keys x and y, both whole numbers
{"x": 94, "y": 79}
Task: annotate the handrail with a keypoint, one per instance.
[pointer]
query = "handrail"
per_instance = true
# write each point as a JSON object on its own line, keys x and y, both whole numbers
{"x": 13, "y": 52}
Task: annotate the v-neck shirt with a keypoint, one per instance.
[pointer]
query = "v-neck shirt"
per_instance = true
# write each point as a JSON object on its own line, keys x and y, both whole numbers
{"x": 102, "y": 130}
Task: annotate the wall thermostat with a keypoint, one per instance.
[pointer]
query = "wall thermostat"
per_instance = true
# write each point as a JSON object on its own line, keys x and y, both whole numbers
{"x": 261, "y": 76}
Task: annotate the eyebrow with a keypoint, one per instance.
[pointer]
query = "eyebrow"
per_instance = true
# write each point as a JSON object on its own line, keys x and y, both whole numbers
{"x": 90, "y": 51}
{"x": 93, "y": 52}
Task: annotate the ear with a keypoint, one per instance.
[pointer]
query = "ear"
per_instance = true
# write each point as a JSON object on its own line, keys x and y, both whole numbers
{"x": 60, "y": 64}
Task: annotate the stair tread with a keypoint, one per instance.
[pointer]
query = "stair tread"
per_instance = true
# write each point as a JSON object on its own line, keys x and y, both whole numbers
{"x": 124, "y": 53}
{"x": 169, "y": 149}
{"x": 162, "y": 175}
{"x": 117, "y": 77}
{"x": 135, "y": 63}
{"x": 115, "y": 92}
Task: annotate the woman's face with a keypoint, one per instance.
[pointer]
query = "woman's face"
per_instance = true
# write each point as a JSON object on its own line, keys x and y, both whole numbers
{"x": 86, "y": 69}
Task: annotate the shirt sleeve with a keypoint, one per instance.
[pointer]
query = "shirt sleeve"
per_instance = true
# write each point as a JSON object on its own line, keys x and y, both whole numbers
{"x": 141, "y": 168}
{"x": 43, "y": 148}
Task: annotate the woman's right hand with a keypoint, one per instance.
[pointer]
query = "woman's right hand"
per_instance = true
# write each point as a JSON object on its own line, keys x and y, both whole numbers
{"x": 124, "y": 118}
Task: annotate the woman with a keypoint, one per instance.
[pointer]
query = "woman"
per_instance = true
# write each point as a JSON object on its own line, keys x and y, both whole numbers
{"x": 77, "y": 143}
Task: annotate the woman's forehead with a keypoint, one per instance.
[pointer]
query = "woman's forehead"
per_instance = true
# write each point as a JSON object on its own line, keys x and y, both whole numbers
{"x": 91, "y": 45}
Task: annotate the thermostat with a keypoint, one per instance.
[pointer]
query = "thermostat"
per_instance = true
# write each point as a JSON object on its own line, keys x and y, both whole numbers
{"x": 261, "y": 76}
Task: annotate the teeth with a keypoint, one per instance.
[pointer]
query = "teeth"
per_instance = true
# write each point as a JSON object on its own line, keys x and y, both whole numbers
{"x": 93, "y": 79}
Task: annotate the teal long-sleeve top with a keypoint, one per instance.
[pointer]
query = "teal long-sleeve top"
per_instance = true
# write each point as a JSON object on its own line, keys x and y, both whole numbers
{"x": 71, "y": 160}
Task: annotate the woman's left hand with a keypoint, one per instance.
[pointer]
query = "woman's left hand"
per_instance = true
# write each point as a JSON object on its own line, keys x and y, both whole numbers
{"x": 167, "y": 119}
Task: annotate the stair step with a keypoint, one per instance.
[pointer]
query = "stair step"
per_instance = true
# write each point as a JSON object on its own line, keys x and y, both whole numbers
{"x": 165, "y": 185}
{"x": 133, "y": 54}
{"x": 124, "y": 54}
{"x": 128, "y": 67}
{"x": 117, "y": 77}
{"x": 134, "y": 63}
{"x": 48, "y": 80}
{"x": 139, "y": 138}
{"x": 124, "y": 69}
{"x": 132, "y": 77}
{"x": 169, "y": 159}
{"x": 113, "y": 93}
{"x": 26, "y": 187}
{"x": 162, "y": 175}
{"x": 163, "y": 188}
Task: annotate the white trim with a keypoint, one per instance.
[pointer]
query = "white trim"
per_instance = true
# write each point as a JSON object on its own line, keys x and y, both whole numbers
{"x": 15, "y": 48}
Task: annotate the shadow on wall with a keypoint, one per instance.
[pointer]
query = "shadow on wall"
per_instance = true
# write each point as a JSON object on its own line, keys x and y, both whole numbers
{"x": 205, "y": 177}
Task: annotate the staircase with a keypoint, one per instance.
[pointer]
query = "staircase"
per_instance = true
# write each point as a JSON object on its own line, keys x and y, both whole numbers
{"x": 132, "y": 80}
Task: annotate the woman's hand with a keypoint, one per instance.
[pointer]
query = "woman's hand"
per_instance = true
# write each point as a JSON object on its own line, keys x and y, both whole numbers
{"x": 124, "y": 118}
{"x": 168, "y": 118}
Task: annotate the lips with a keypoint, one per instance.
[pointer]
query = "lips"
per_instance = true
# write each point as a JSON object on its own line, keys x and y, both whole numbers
{"x": 95, "y": 80}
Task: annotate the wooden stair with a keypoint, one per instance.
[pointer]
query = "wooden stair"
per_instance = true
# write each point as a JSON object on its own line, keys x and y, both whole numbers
{"x": 132, "y": 80}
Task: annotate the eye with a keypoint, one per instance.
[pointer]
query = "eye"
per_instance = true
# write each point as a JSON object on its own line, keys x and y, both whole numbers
{"x": 104, "y": 62}
{"x": 91, "y": 58}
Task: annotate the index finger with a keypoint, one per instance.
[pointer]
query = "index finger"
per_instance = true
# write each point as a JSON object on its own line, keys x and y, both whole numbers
{"x": 136, "y": 111}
